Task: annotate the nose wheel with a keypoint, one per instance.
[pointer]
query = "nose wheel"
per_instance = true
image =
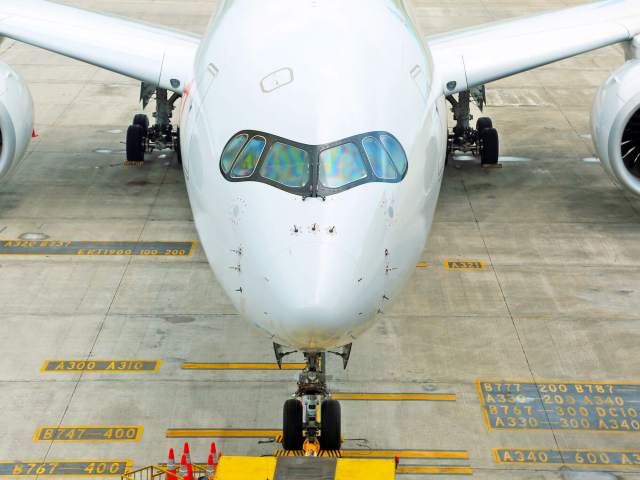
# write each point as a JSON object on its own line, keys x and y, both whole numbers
{"x": 312, "y": 417}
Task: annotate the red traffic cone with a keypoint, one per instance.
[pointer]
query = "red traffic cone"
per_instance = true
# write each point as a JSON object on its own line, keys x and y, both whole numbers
{"x": 184, "y": 470}
{"x": 185, "y": 450}
{"x": 190, "y": 472}
{"x": 397, "y": 459}
{"x": 210, "y": 467}
{"x": 171, "y": 466}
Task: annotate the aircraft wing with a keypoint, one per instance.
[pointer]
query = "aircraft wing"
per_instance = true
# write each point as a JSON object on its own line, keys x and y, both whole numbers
{"x": 475, "y": 56}
{"x": 159, "y": 56}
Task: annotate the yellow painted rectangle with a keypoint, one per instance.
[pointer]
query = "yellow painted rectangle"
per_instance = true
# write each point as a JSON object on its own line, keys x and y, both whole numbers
{"x": 242, "y": 366}
{"x": 65, "y": 468}
{"x": 131, "y": 433}
{"x": 221, "y": 433}
{"x": 464, "y": 265}
{"x": 422, "y": 265}
{"x": 244, "y": 468}
{"x": 433, "y": 470}
{"x": 390, "y": 397}
{"x": 349, "y": 469}
{"x": 101, "y": 366}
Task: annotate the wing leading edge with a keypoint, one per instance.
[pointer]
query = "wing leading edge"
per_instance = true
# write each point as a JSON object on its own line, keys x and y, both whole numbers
{"x": 155, "y": 55}
{"x": 479, "y": 55}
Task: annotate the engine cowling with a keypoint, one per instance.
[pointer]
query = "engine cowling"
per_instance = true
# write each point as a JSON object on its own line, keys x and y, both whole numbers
{"x": 16, "y": 119}
{"x": 615, "y": 125}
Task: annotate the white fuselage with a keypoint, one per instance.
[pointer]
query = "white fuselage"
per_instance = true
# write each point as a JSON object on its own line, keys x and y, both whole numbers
{"x": 313, "y": 273}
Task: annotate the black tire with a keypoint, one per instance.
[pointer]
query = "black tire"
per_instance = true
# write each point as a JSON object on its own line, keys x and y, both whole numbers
{"x": 483, "y": 123}
{"x": 292, "y": 438}
{"x": 135, "y": 143}
{"x": 178, "y": 148}
{"x": 142, "y": 120}
{"x": 490, "y": 146}
{"x": 331, "y": 431}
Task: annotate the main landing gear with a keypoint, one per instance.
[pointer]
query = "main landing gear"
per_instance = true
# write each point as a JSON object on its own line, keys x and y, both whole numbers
{"x": 312, "y": 419}
{"x": 145, "y": 138}
{"x": 481, "y": 141}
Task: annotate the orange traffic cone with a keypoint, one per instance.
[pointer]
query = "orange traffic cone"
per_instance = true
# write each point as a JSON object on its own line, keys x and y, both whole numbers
{"x": 185, "y": 450}
{"x": 184, "y": 470}
{"x": 214, "y": 452}
{"x": 171, "y": 466}
{"x": 190, "y": 472}
{"x": 211, "y": 470}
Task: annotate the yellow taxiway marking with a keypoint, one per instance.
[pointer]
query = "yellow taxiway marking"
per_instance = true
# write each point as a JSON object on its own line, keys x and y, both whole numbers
{"x": 433, "y": 470}
{"x": 65, "y": 468}
{"x": 101, "y": 366}
{"x": 222, "y": 433}
{"x": 242, "y": 366}
{"x": 97, "y": 248}
{"x": 430, "y": 397}
{"x": 581, "y": 458}
{"x": 464, "y": 265}
{"x": 131, "y": 433}
{"x": 413, "y": 454}
{"x": 423, "y": 265}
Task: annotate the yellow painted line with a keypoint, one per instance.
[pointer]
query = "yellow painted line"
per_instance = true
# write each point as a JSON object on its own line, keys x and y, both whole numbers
{"x": 65, "y": 468}
{"x": 430, "y": 397}
{"x": 432, "y": 454}
{"x": 464, "y": 264}
{"x": 363, "y": 454}
{"x": 130, "y": 433}
{"x": 101, "y": 366}
{"x": 423, "y": 265}
{"x": 242, "y": 366}
{"x": 433, "y": 470}
{"x": 221, "y": 433}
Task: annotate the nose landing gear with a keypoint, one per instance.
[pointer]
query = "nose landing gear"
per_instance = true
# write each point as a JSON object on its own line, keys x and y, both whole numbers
{"x": 312, "y": 417}
{"x": 482, "y": 141}
{"x": 145, "y": 138}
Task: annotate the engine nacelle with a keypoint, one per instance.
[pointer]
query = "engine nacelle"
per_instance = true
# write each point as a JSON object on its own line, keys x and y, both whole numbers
{"x": 16, "y": 119}
{"x": 615, "y": 125}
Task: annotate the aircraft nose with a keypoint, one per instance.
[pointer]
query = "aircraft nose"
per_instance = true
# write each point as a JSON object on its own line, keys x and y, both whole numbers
{"x": 317, "y": 296}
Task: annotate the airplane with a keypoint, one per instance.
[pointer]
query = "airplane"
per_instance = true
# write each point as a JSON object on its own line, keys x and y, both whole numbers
{"x": 313, "y": 136}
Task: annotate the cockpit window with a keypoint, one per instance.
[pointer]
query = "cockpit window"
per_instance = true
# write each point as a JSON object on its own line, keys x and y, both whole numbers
{"x": 314, "y": 170}
{"x": 340, "y": 166}
{"x": 248, "y": 160}
{"x": 379, "y": 159}
{"x": 231, "y": 151}
{"x": 286, "y": 165}
{"x": 396, "y": 151}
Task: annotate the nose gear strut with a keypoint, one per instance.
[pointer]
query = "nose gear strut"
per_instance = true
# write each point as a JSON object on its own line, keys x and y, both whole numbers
{"x": 312, "y": 416}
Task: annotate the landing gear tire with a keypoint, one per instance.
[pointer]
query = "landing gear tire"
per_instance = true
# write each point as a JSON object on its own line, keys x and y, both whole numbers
{"x": 292, "y": 438}
{"x": 483, "y": 123}
{"x": 330, "y": 433}
{"x": 136, "y": 143}
{"x": 489, "y": 146}
{"x": 142, "y": 120}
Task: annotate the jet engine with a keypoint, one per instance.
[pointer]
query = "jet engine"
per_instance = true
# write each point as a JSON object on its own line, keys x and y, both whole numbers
{"x": 615, "y": 125}
{"x": 16, "y": 119}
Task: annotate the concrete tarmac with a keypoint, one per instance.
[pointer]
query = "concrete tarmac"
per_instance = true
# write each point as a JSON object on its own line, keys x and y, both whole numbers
{"x": 556, "y": 302}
